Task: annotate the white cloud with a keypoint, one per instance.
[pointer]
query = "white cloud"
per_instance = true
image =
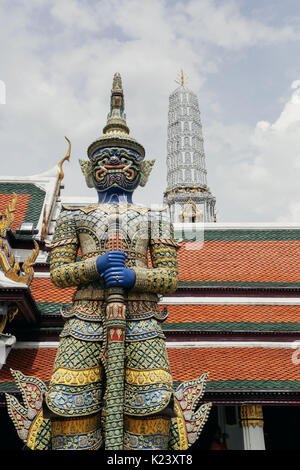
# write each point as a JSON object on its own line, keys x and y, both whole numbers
{"x": 223, "y": 25}
{"x": 58, "y": 59}
{"x": 75, "y": 14}
{"x": 260, "y": 170}
{"x": 58, "y": 82}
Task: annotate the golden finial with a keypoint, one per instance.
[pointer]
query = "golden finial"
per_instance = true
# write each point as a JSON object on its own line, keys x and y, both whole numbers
{"x": 180, "y": 79}
{"x": 116, "y": 119}
{"x": 117, "y": 83}
{"x": 66, "y": 157}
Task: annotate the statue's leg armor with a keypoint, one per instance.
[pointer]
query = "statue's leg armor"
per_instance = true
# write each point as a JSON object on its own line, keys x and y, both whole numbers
{"x": 74, "y": 396}
{"x": 148, "y": 395}
{"x": 80, "y": 433}
{"x": 147, "y": 433}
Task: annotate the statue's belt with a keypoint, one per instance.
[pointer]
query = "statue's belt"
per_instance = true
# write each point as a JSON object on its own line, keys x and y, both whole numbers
{"x": 90, "y": 293}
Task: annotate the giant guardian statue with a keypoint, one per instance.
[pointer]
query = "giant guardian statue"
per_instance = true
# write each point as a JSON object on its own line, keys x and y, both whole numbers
{"x": 111, "y": 387}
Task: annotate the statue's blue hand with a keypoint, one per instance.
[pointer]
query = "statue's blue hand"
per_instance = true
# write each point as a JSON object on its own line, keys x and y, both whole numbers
{"x": 119, "y": 277}
{"x": 110, "y": 259}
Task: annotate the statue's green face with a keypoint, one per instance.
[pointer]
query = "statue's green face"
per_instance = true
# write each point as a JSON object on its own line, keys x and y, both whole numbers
{"x": 117, "y": 168}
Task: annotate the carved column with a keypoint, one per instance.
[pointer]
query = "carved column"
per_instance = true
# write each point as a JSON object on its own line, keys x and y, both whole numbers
{"x": 253, "y": 427}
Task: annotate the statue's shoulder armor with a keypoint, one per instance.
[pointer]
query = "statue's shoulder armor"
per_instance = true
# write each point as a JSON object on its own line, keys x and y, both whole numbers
{"x": 108, "y": 208}
{"x": 85, "y": 209}
{"x": 160, "y": 209}
{"x": 159, "y": 213}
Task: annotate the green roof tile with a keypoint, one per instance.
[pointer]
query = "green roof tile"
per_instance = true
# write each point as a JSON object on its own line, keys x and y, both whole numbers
{"x": 240, "y": 235}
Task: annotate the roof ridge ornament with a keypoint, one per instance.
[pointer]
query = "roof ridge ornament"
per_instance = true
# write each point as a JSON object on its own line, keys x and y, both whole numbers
{"x": 66, "y": 157}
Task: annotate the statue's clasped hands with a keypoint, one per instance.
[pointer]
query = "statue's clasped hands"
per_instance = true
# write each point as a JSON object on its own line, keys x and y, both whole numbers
{"x": 111, "y": 266}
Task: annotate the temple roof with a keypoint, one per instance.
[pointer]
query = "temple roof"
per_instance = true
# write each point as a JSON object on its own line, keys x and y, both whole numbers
{"x": 234, "y": 368}
{"x": 37, "y": 199}
{"x": 251, "y": 318}
{"x": 228, "y": 314}
{"x": 29, "y": 204}
{"x": 263, "y": 258}
{"x": 241, "y": 258}
{"x": 227, "y": 258}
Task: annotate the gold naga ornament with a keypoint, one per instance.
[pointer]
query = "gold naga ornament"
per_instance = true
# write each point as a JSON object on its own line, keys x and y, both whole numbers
{"x": 8, "y": 263}
{"x": 61, "y": 175}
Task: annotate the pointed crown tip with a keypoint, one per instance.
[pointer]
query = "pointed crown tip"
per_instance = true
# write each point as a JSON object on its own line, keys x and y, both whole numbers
{"x": 117, "y": 82}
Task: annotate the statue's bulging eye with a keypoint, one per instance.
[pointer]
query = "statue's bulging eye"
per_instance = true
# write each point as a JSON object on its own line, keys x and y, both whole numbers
{"x": 102, "y": 162}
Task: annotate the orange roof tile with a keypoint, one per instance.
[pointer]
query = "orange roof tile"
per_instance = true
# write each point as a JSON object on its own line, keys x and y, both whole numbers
{"x": 232, "y": 313}
{"x": 35, "y": 362}
{"x": 21, "y": 207}
{"x": 240, "y": 261}
{"x": 186, "y": 363}
{"x": 43, "y": 290}
{"x": 233, "y": 363}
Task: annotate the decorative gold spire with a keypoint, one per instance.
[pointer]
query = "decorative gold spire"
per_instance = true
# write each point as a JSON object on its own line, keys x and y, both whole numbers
{"x": 180, "y": 80}
{"x": 116, "y": 119}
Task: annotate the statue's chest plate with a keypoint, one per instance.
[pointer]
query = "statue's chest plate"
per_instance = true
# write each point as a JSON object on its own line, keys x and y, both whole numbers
{"x": 102, "y": 230}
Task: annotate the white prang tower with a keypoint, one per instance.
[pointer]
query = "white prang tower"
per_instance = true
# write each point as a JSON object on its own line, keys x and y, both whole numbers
{"x": 187, "y": 195}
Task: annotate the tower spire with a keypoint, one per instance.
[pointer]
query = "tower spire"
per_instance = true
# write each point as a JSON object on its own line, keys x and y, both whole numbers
{"x": 187, "y": 189}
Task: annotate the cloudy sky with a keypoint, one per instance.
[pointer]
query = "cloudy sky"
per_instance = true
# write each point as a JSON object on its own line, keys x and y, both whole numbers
{"x": 58, "y": 58}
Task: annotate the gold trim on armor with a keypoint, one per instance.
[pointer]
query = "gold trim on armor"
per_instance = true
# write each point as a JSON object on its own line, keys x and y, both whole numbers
{"x": 112, "y": 208}
{"x": 145, "y": 377}
{"x": 90, "y": 268}
{"x": 34, "y": 430}
{"x": 182, "y": 433}
{"x": 141, "y": 278}
{"x": 147, "y": 425}
{"x": 76, "y": 377}
{"x": 75, "y": 425}
{"x": 90, "y": 293}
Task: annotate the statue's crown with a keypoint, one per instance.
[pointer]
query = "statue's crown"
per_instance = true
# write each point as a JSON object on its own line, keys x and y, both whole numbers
{"x": 116, "y": 131}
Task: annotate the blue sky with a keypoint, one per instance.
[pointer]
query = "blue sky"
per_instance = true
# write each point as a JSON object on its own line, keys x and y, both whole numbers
{"x": 57, "y": 59}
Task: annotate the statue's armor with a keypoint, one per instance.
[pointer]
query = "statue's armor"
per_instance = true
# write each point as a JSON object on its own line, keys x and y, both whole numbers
{"x": 111, "y": 377}
{"x": 77, "y": 386}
